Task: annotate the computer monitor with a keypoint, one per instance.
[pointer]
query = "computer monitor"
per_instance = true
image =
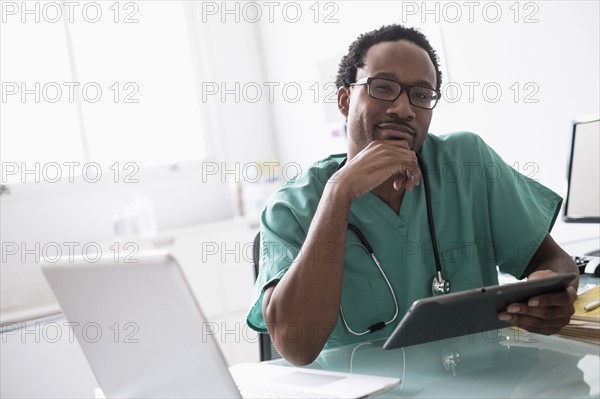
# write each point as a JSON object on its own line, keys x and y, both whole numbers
{"x": 582, "y": 204}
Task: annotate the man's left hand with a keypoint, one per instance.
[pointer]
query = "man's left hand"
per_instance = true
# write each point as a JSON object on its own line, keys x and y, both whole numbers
{"x": 544, "y": 314}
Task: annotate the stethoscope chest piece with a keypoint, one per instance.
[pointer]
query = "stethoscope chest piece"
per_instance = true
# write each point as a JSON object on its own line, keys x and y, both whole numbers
{"x": 439, "y": 286}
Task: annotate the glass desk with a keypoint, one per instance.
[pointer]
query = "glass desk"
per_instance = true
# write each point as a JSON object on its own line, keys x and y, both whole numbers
{"x": 496, "y": 364}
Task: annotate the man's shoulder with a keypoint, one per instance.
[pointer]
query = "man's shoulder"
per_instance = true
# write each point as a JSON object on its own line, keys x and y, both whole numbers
{"x": 454, "y": 144}
{"x": 455, "y": 138}
{"x": 316, "y": 174}
{"x": 305, "y": 187}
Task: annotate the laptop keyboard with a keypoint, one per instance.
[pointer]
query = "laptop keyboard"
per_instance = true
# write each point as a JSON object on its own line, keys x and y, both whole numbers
{"x": 253, "y": 391}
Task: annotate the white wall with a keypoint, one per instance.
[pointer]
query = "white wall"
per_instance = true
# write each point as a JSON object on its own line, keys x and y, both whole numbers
{"x": 229, "y": 58}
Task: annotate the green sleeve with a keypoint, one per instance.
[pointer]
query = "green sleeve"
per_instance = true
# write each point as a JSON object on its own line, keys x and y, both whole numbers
{"x": 277, "y": 254}
{"x": 521, "y": 212}
{"x": 284, "y": 226}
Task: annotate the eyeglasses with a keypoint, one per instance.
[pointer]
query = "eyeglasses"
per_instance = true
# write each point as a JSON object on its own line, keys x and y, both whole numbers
{"x": 389, "y": 90}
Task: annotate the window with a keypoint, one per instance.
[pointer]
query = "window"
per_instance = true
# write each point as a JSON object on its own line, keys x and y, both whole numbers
{"x": 114, "y": 85}
{"x": 89, "y": 82}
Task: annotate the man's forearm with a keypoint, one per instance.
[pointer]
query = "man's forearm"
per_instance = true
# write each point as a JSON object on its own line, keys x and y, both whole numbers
{"x": 302, "y": 309}
{"x": 550, "y": 256}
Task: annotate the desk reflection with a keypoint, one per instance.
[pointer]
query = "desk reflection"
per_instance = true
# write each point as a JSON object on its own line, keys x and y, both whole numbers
{"x": 503, "y": 363}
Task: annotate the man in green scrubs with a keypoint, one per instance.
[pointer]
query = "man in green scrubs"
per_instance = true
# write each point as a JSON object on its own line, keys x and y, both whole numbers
{"x": 314, "y": 269}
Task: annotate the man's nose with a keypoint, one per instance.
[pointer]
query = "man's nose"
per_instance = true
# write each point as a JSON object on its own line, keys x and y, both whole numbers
{"x": 402, "y": 107}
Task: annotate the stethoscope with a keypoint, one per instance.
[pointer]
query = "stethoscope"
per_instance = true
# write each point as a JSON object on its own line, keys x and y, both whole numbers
{"x": 439, "y": 286}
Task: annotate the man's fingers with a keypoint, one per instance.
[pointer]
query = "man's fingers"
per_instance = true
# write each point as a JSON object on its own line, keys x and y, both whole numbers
{"x": 380, "y": 161}
{"x": 563, "y": 298}
{"x": 534, "y": 324}
{"x": 407, "y": 179}
{"x": 414, "y": 176}
{"x": 399, "y": 182}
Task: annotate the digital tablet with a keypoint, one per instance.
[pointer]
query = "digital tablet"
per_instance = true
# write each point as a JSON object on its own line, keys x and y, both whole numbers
{"x": 467, "y": 312}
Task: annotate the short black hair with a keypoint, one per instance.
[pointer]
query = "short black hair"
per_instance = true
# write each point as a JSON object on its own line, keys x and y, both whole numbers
{"x": 388, "y": 33}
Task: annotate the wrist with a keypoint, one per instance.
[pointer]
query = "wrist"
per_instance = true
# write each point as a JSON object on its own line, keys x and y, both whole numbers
{"x": 340, "y": 193}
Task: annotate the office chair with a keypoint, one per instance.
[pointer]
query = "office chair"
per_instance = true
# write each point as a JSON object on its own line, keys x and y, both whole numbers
{"x": 267, "y": 349}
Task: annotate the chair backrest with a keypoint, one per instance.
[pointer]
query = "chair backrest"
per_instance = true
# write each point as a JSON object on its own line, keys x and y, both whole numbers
{"x": 267, "y": 349}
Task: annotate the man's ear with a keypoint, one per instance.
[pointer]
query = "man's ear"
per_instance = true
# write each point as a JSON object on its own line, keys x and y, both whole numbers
{"x": 343, "y": 99}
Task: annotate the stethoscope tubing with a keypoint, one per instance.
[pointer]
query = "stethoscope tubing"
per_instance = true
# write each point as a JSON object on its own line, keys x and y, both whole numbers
{"x": 381, "y": 324}
{"x": 432, "y": 235}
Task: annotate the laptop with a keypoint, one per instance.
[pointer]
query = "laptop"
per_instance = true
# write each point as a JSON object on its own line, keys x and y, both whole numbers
{"x": 144, "y": 335}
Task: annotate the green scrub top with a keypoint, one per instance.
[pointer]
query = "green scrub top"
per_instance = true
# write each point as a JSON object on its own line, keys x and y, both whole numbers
{"x": 486, "y": 215}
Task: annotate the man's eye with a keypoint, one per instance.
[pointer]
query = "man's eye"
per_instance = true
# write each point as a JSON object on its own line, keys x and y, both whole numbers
{"x": 381, "y": 87}
{"x": 421, "y": 94}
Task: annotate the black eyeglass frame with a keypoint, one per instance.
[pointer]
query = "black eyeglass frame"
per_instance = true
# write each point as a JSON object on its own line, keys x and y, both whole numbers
{"x": 403, "y": 87}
